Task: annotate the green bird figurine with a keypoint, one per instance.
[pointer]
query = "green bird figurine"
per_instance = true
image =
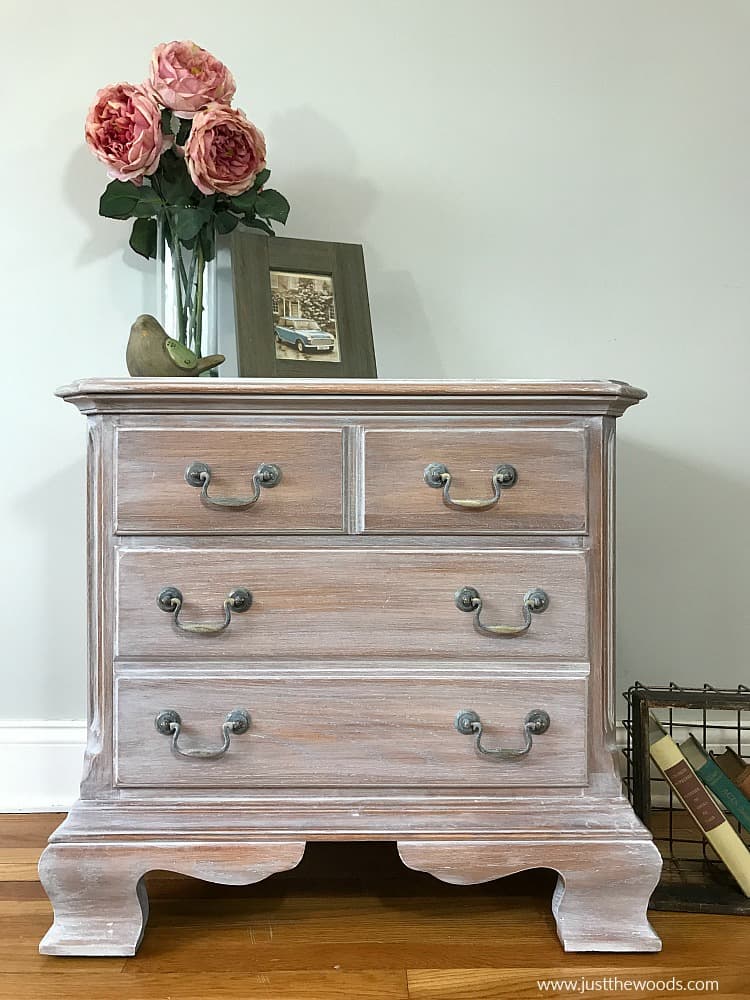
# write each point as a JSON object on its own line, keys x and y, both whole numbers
{"x": 152, "y": 353}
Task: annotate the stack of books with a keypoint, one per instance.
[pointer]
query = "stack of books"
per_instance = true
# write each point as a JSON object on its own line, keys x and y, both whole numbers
{"x": 706, "y": 784}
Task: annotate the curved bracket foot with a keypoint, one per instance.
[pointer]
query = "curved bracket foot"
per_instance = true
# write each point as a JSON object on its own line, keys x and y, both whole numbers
{"x": 602, "y": 892}
{"x": 98, "y": 891}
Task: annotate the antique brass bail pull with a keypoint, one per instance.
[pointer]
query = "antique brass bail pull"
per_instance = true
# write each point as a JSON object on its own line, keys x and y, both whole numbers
{"x": 438, "y": 477}
{"x": 534, "y": 602}
{"x": 536, "y": 722}
{"x": 169, "y": 723}
{"x": 266, "y": 476}
{"x": 170, "y": 600}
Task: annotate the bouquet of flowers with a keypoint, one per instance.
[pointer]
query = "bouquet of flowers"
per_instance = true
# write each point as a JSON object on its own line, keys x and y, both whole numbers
{"x": 182, "y": 158}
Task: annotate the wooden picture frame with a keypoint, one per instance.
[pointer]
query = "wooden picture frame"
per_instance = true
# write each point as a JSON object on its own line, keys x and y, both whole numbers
{"x": 274, "y": 338}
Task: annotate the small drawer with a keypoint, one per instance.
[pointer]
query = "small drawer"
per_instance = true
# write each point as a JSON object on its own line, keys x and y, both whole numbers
{"x": 540, "y": 486}
{"x": 346, "y": 603}
{"x": 154, "y": 497}
{"x": 347, "y": 731}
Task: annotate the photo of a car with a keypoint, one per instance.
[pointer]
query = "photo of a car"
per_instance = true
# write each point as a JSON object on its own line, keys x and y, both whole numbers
{"x": 303, "y": 334}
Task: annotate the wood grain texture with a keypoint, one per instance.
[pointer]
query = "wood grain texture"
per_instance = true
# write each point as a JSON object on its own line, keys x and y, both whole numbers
{"x": 393, "y": 732}
{"x": 99, "y": 895}
{"x": 18, "y": 864}
{"x": 494, "y": 983}
{"x": 604, "y": 773}
{"x": 242, "y": 397}
{"x": 97, "y": 761}
{"x": 153, "y": 498}
{"x": 350, "y": 921}
{"x": 192, "y": 387}
{"x": 366, "y": 623}
{"x": 253, "y": 256}
{"x": 379, "y": 814}
{"x": 549, "y": 496}
{"x": 589, "y": 916}
{"x": 395, "y": 603}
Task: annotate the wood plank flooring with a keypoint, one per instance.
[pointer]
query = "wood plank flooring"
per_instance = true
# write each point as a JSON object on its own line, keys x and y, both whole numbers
{"x": 350, "y": 923}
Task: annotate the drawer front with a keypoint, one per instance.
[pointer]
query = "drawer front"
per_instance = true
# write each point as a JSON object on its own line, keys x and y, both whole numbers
{"x": 548, "y": 496}
{"x": 153, "y": 497}
{"x": 349, "y": 732}
{"x": 332, "y": 603}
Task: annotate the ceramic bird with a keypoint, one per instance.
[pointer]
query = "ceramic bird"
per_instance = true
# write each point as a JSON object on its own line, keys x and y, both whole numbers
{"x": 152, "y": 353}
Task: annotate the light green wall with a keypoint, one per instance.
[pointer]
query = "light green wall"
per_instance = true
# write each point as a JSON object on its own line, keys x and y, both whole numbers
{"x": 543, "y": 189}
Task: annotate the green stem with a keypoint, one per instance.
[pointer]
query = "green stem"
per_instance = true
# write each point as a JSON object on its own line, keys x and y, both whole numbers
{"x": 200, "y": 263}
{"x": 178, "y": 269}
{"x": 179, "y": 277}
{"x": 190, "y": 298}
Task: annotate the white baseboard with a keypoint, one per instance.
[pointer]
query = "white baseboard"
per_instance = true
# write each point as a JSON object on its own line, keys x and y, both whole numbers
{"x": 40, "y": 764}
{"x": 41, "y": 761}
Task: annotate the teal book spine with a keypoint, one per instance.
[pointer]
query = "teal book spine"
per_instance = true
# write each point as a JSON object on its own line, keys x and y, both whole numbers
{"x": 725, "y": 791}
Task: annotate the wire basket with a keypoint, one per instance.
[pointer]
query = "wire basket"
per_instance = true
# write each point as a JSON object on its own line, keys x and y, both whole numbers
{"x": 693, "y": 878}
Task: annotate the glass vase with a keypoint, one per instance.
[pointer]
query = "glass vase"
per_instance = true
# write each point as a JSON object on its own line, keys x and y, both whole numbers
{"x": 186, "y": 292}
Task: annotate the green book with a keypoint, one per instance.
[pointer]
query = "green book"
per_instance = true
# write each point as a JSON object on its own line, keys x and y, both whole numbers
{"x": 714, "y": 778}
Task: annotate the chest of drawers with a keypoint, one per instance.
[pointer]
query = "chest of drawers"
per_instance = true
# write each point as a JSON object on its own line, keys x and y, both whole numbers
{"x": 350, "y": 610}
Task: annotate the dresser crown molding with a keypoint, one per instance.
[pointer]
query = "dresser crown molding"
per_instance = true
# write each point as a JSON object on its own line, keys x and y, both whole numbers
{"x": 111, "y": 395}
{"x": 350, "y": 609}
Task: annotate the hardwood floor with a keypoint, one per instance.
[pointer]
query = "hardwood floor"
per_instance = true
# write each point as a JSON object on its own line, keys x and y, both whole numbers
{"x": 349, "y": 922}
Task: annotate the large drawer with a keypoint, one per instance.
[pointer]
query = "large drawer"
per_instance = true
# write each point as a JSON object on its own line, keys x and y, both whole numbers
{"x": 346, "y": 603}
{"x": 547, "y": 497}
{"x": 153, "y": 497}
{"x": 348, "y": 731}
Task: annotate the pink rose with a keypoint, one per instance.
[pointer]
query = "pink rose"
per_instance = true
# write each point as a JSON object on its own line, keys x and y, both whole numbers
{"x": 123, "y": 129}
{"x": 185, "y": 78}
{"x": 224, "y": 151}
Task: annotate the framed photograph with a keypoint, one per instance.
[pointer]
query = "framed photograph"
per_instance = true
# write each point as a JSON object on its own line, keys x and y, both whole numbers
{"x": 301, "y": 307}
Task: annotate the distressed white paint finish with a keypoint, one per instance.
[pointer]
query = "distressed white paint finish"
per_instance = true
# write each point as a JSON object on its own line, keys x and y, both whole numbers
{"x": 99, "y": 896}
{"x": 352, "y": 663}
{"x": 152, "y": 496}
{"x": 40, "y": 762}
{"x": 600, "y": 227}
{"x": 396, "y": 602}
{"x": 549, "y": 494}
{"x": 590, "y": 914}
{"x": 351, "y": 730}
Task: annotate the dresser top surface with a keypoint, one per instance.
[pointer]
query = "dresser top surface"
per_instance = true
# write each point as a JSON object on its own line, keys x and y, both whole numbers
{"x": 357, "y": 388}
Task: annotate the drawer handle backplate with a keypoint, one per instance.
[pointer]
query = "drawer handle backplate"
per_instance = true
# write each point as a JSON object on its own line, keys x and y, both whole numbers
{"x": 169, "y": 723}
{"x": 536, "y": 722}
{"x": 438, "y": 477}
{"x": 534, "y": 602}
{"x": 170, "y": 600}
{"x": 198, "y": 474}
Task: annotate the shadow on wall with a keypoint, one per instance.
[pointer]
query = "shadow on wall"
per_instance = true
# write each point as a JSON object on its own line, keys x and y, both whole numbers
{"x": 405, "y": 345}
{"x": 84, "y": 180}
{"x": 58, "y": 605}
{"x": 332, "y": 201}
{"x": 681, "y": 608}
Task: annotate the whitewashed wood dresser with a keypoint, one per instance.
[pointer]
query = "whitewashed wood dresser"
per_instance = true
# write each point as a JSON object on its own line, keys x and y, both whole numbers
{"x": 350, "y": 610}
